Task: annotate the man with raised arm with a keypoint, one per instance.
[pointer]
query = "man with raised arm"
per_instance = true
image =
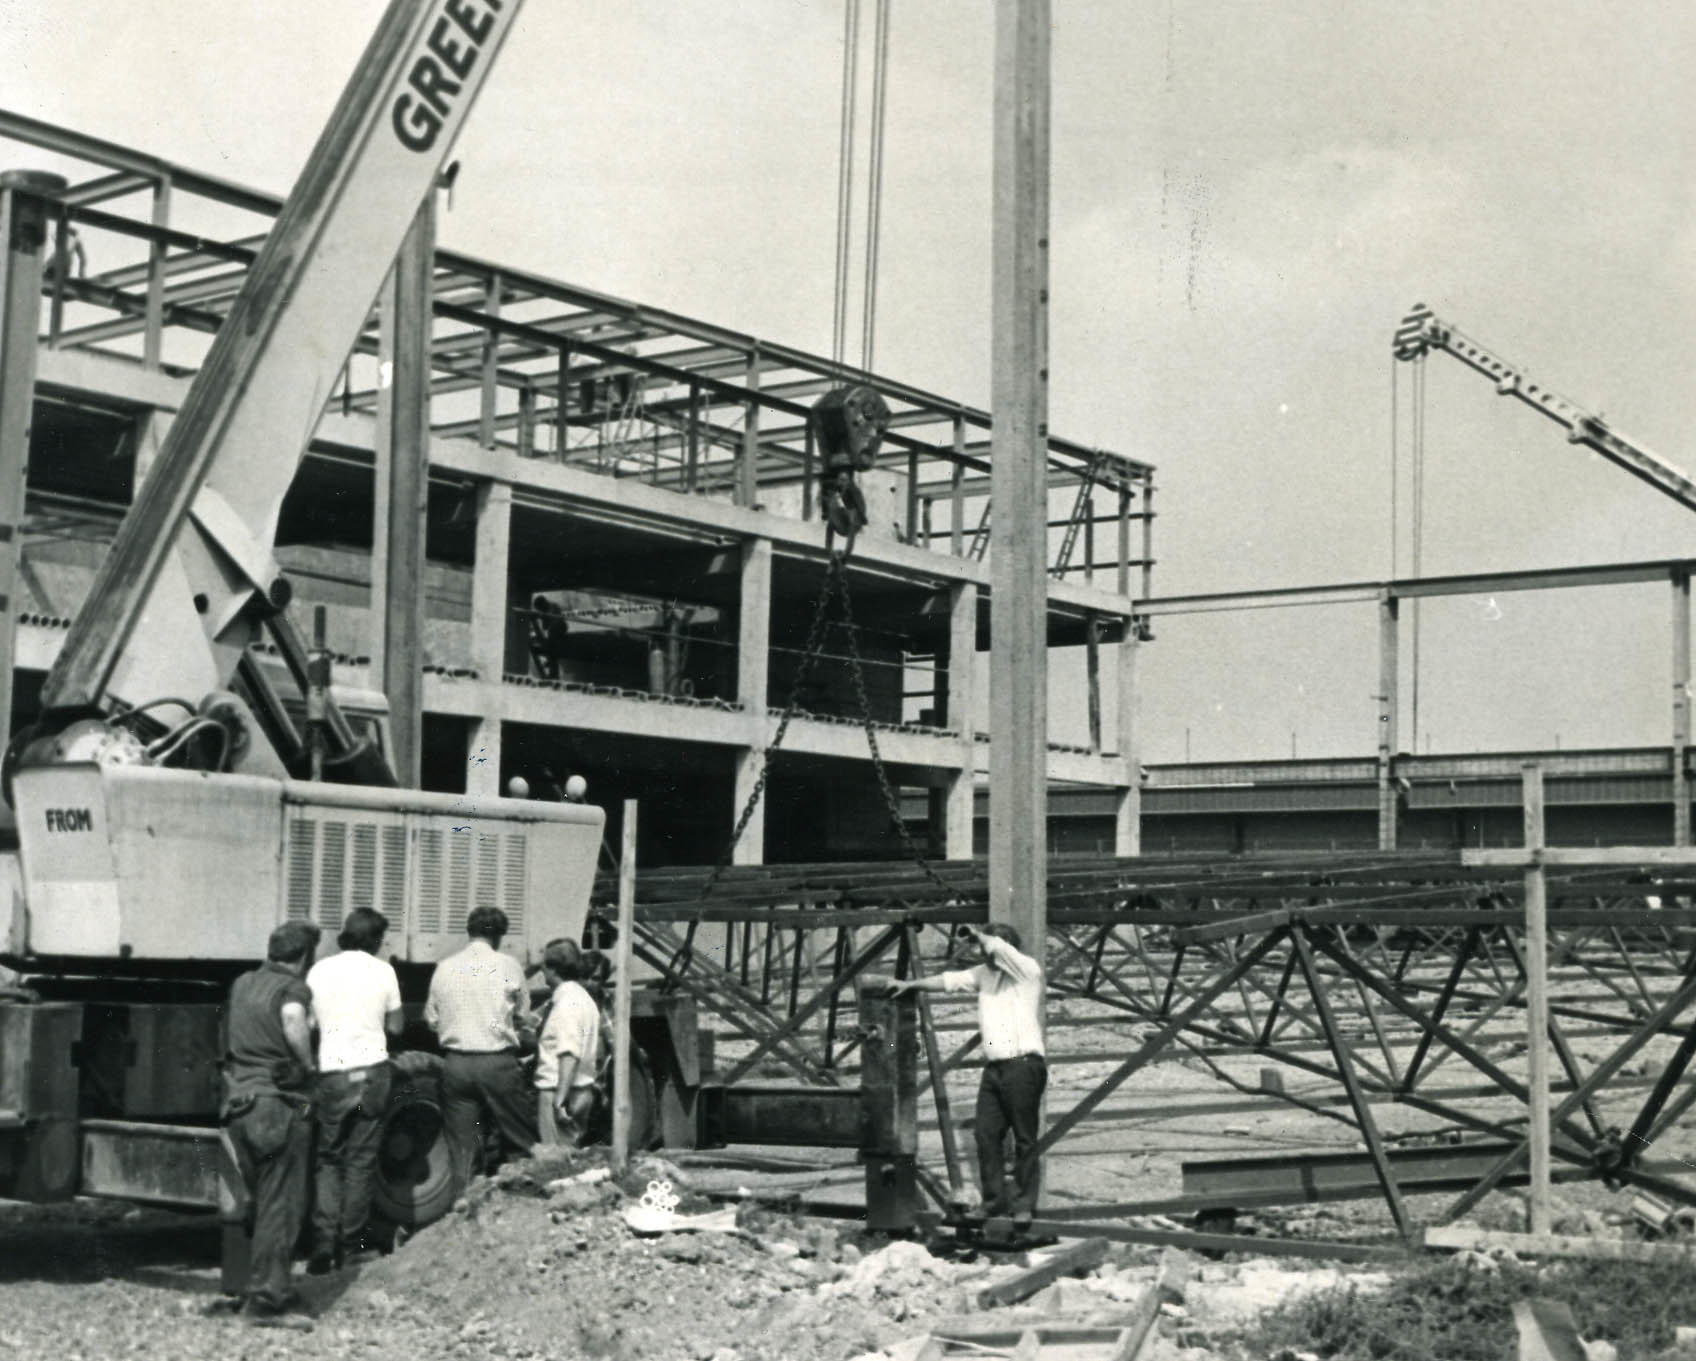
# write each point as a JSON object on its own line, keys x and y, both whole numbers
{"x": 1008, "y": 984}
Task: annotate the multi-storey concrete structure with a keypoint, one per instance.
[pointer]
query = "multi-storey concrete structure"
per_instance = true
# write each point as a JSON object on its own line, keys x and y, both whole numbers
{"x": 620, "y": 552}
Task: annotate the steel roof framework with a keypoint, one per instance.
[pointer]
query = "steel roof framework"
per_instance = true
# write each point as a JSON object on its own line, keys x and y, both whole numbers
{"x": 545, "y": 369}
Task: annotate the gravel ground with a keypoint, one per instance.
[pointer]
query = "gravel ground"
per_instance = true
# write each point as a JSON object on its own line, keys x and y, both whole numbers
{"x": 519, "y": 1272}
{"x": 522, "y": 1271}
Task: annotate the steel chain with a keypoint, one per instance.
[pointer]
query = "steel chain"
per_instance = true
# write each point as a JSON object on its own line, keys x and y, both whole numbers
{"x": 889, "y": 798}
{"x": 809, "y": 653}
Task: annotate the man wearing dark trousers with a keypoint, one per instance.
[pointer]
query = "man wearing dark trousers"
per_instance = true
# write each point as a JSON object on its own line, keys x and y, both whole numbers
{"x": 1008, "y": 984}
{"x": 478, "y": 1003}
{"x": 356, "y": 1002}
{"x": 268, "y": 1074}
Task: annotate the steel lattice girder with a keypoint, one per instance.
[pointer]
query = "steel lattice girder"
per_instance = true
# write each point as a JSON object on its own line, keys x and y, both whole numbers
{"x": 1370, "y": 975}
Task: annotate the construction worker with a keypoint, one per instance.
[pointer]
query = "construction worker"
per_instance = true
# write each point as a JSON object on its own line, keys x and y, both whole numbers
{"x": 478, "y": 1005}
{"x": 356, "y": 1003}
{"x": 1008, "y": 984}
{"x": 568, "y": 1049}
{"x": 268, "y": 1072}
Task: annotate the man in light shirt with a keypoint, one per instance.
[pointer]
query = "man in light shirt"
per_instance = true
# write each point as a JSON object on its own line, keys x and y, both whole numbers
{"x": 356, "y": 1003}
{"x": 568, "y": 1050}
{"x": 1008, "y": 984}
{"x": 478, "y": 1003}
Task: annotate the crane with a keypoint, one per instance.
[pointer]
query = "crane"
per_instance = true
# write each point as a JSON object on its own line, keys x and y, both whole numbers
{"x": 165, "y": 826}
{"x": 1422, "y": 331}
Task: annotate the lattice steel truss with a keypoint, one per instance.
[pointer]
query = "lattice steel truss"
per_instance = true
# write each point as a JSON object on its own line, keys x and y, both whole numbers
{"x": 1380, "y": 983}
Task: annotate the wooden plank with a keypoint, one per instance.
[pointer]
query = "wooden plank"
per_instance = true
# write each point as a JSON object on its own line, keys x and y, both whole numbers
{"x": 1080, "y": 1257}
{"x": 1141, "y": 1325}
{"x": 1547, "y": 1331}
{"x": 1018, "y": 749}
{"x": 1461, "y": 1237}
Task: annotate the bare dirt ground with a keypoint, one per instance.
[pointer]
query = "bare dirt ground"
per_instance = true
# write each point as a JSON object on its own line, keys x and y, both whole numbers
{"x": 521, "y": 1272}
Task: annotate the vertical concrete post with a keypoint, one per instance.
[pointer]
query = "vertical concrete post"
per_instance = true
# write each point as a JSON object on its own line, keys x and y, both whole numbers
{"x": 1537, "y": 997}
{"x": 151, "y": 427}
{"x": 402, "y": 491}
{"x": 962, "y": 717}
{"x": 1127, "y": 811}
{"x": 1389, "y": 674}
{"x": 753, "y": 671}
{"x": 1018, "y": 804}
{"x": 491, "y": 597}
{"x": 25, "y": 208}
{"x": 1680, "y": 707}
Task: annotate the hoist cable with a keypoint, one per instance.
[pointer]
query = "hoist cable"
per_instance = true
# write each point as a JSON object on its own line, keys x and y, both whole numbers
{"x": 874, "y": 187}
{"x": 845, "y": 175}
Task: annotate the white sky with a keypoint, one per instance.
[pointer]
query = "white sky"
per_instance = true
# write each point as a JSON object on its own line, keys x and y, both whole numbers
{"x": 1246, "y": 198}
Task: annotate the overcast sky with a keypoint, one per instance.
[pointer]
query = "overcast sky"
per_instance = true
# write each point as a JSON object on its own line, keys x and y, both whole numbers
{"x": 1246, "y": 198}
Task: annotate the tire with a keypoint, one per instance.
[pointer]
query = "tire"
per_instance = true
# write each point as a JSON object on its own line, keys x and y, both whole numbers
{"x": 644, "y": 1108}
{"x": 416, "y": 1181}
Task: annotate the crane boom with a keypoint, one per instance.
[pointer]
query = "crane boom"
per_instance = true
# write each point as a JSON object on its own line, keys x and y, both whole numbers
{"x": 190, "y": 575}
{"x": 1422, "y": 331}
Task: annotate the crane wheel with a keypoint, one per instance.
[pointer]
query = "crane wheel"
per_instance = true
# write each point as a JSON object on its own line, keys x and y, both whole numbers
{"x": 416, "y": 1183}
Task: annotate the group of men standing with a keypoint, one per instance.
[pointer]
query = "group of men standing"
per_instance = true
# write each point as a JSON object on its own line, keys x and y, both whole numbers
{"x": 308, "y": 1077}
{"x": 280, "y": 1083}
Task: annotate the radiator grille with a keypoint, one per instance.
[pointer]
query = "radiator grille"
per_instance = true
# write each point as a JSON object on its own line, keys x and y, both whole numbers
{"x": 394, "y": 872}
{"x": 459, "y": 880}
{"x": 365, "y": 864}
{"x": 429, "y": 880}
{"x": 303, "y": 839}
{"x": 332, "y": 872}
{"x": 516, "y": 878}
{"x": 489, "y": 873}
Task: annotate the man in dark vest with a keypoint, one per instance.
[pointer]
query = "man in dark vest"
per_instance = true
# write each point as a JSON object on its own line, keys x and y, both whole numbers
{"x": 268, "y": 1074}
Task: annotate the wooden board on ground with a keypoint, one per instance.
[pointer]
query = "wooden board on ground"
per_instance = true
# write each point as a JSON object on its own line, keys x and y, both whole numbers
{"x": 1459, "y": 1237}
{"x": 1056, "y": 1340}
{"x": 1080, "y": 1257}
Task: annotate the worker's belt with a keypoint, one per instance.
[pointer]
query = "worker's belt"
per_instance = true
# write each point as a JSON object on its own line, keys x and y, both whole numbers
{"x": 354, "y": 1075}
{"x": 480, "y": 1053}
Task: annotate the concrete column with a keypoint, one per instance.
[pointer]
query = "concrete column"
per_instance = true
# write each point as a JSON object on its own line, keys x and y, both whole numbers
{"x": 491, "y": 591}
{"x": 1127, "y": 808}
{"x": 25, "y": 206}
{"x": 1389, "y": 676}
{"x": 483, "y": 776}
{"x": 962, "y": 717}
{"x": 753, "y": 668}
{"x": 151, "y": 427}
{"x": 1018, "y": 808}
{"x": 1680, "y": 707}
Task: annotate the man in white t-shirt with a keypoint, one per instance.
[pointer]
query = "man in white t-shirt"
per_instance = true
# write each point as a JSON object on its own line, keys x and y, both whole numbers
{"x": 356, "y": 1004}
{"x": 1008, "y": 984}
{"x": 568, "y": 1049}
